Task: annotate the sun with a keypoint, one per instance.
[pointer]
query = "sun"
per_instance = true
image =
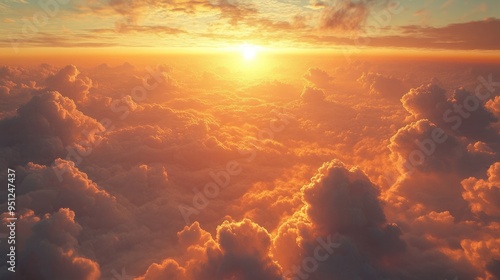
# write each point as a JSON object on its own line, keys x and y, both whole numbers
{"x": 248, "y": 51}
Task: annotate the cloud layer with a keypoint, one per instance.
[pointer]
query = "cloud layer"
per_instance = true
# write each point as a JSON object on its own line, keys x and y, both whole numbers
{"x": 373, "y": 170}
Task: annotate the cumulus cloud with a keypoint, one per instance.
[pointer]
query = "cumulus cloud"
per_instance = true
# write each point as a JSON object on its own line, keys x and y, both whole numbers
{"x": 312, "y": 95}
{"x": 423, "y": 145}
{"x": 47, "y": 189}
{"x": 114, "y": 190}
{"x": 240, "y": 250}
{"x": 494, "y": 106}
{"x": 484, "y": 253}
{"x": 70, "y": 84}
{"x": 318, "y": 78}
{"x": 168, "y": 269}
{"x": 440, "y": 149}
{"x": 484, "y": 195}
{"x": 52, "y": 250}
{"x": 138, "y": 184}
{"x": 43, "y": 127}
{"x": 17, "y": 86}
{"x": 432, "y": 163}
{"x": 463, "y": 112}
{"x": 341, "y": 206}
{"x": 379, "y": 84}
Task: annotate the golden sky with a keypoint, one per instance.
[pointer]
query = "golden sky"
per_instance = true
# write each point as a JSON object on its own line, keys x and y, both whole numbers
{"x": 298, "y": 24}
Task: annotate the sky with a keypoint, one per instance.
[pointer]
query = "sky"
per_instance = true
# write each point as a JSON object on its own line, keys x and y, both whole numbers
{"x": 315, "y": 24}
{"x": 249, "y": 140}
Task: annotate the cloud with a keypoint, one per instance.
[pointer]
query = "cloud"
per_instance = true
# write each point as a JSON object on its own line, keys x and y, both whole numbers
{"x": 463, "y": 113}
{"x": 334, "y": 206}
{"x": 338, "y": 202}
{"x": 168, "y": 269}
{"x": 234, "y": 11}
{"x": 484, "y": 253}
{"x": 69, "y": 83}
{"x": 424, "y": 146}
{"x": 439, "y": 221}
{"x": 493, "y": 106}
{"x": 138, "y": 184}
{"x": 493, "y": 267}
{"x": 320, "y": 22}
{"x": 460, "y": 36}
{"x": 342, "y": 232}
{"x": 17, "y": 86}
{"x": 484, "y": 195}
{"x": 340, "y": 205}
{"x": 473, "y": 35}
{"x": 43, "y": 127}
{"x": 52, "y": 250}
{"x": 446, "y": 4}
{"x": 278, "y": 90}
{"x": 124, "y": 28}
{"x": 240, "y": 250}
{"x": 431, "y": 163}
{"x": 48, "y": 189}
{"x": 379, "y": 84}
{"x": 318, "y": 78}
{"x": 312, "y": 95}
{"x": 344, "y": 15}
{"x": 40, "y": 39}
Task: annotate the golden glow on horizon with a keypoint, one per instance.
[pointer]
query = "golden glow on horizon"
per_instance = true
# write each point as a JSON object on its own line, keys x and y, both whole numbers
{"x": 233, "y": 54}
{"x": 248, "y": 51}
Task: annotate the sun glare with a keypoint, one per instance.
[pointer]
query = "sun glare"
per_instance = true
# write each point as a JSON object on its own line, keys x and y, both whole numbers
{"x": 249, "y": 51}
